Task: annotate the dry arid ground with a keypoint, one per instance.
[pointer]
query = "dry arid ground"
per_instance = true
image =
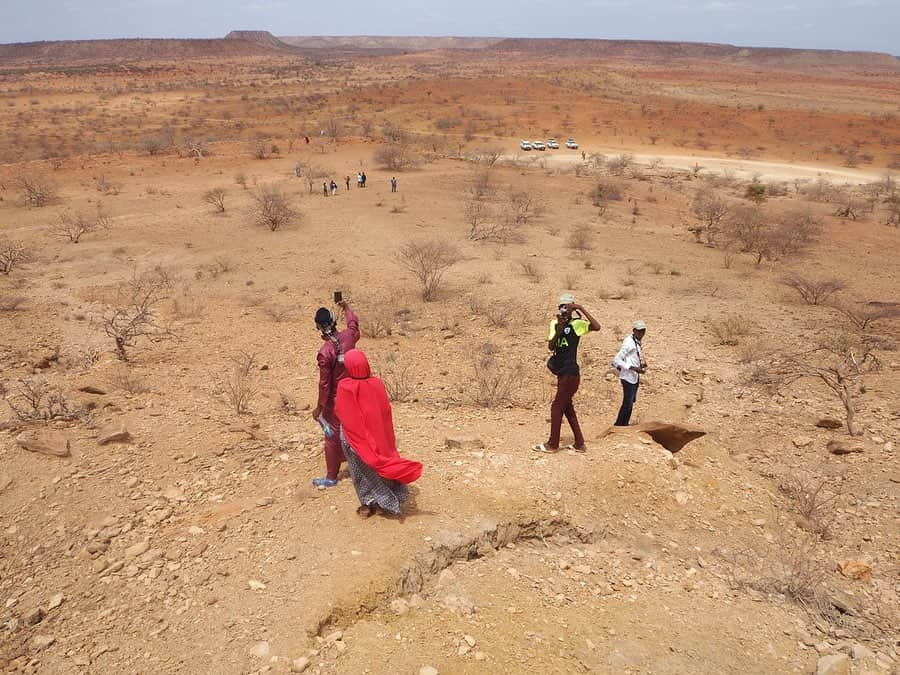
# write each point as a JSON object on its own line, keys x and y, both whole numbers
{"x": 156, "y": 510}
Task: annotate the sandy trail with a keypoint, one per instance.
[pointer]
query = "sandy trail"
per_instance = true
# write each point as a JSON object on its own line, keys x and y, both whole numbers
{"x": 741, "y": 168}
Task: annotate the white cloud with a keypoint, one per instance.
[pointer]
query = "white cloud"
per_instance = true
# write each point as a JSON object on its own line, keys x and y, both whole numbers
{"x": 720, "y": 6}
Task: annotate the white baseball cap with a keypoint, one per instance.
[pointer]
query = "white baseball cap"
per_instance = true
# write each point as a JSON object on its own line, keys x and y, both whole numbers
{"x": 639, "y": 325}
{"x": 566, "y": 299}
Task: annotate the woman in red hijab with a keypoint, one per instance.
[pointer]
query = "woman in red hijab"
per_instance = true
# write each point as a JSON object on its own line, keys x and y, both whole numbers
{"x": 379, "y": 474}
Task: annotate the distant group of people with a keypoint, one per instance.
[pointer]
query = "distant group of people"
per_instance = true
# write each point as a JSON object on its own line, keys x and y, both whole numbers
{"x": 354, "y": 411}
{"x": 573, "y": 321}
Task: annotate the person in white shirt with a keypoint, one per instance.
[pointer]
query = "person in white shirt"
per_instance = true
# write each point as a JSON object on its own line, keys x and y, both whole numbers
{"x": 630, "y": 365}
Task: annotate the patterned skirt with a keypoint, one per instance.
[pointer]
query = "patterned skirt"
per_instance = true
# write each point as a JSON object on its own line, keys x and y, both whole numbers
{"x": 372, "y": 489}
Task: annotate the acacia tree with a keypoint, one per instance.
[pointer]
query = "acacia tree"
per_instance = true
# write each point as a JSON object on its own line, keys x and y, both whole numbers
{"x": 272, "y": 208}
{"x": 840, "y": 364}
{"x": 135, "y": 314}
{"x": 711, "y": 209}
{"x": 11, "y": 254}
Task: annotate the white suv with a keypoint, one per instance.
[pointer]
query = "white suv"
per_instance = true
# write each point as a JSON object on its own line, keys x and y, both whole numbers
{"x": 525, "y": 145}
{"x": 571, "y": 144}
{"x": 539, "y": 145}
{"x": 552, "y": 144}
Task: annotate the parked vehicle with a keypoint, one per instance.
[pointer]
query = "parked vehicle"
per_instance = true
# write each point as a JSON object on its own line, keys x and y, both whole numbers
{"x": 571, "y": 144}
{"x": 539, "y": 145}
{"x": 525, "y": 145}
{"x": 552, "y": 144}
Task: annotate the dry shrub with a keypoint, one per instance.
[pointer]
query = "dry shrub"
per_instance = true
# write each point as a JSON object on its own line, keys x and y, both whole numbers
{"x": 400, "y": 383}
{"x": 814, "y": 499}
{"x": 379, "y": 320}
{"x": 10, "y": 303}
{"x": 37, "y": 401}
{"x": 531, "y": 271}
{"x": 272, "y": 209}
{"x": 12, "y": 253}
{"x": 135, "y": 314}
{"x": 215, "y": 198}
{"x": 128, "y": 381}
{"x": 428, "y": 261}
{"x": 813, "y": 291}
{"x": 243, "y": 385}
{"x": 278, "y": 313}
{"x": 495, "y": 380}
{"x": 396, "y": 157}
{"x": 711, "y": 209}
{"x": 730, "y": 329}
{"x": 862, "y": 315}
{"x": 73, "y": 226}
{"x": 580, "y": 238}
{"x": 37, "y": 190}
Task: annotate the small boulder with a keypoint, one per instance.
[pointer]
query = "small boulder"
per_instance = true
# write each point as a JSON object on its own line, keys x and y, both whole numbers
{"x": 833, "y": 664}
{"x": 860, "y": 652}
{"x": 114, "y": 435}
{"x": 41, "y": 642}
{"x": 428, "y": 670}
{"x": 802, "y": 441}
{"x": 836, "y": 447}
{"x": 829, "y": 423}
{"x": 299, "y": 665}
{"x": 261, "y": 650}
{"x": 44, "y": 443}
{"x": 137, "y": 549}
{"x": 463, "y": 443}
{"x": 91, "y": 389}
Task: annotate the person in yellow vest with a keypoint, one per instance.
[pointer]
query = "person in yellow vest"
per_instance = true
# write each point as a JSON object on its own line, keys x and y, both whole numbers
{"x": 571, "y": 323}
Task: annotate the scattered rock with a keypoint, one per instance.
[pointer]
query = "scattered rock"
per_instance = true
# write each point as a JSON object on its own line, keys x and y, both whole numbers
{"x": 463, "y": 443}
{"x": 299, "y": 665}
{"x": 860, "y": 652}
{"x": 469, "y": 640}
{"x": 836, "y": 447}
{"x": 44, "y": 443}
{"x": 174, "y": 494}
{"x": 55, "y": 601}
{"x": 682, "y": 497}
{"x": 41, "y": 642}
{"x": 194, "y": 530}
{"x": 91, "y": 389}
{"x": 137, "y": 549}
{"x": 802, "y": 441}
{"x": 261, "y": 650}
{"x": 264, "y": 501}
{"x": 833, "y": 664}
{"x": 256, "y": 585}
{"x": 428, "y": 670}
{"x": 113, "y": 435}
{"x": 34, "y": 617}
{"x": 829, "y": 423}
{"x": 399, "y": 606}
{"x": 5, "y": 482}
{"x": 334, "y": 637}
{"x": 856, "y": 569}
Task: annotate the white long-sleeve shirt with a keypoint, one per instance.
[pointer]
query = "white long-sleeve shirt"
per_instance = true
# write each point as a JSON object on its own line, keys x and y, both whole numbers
{"x": 628, "y": 360}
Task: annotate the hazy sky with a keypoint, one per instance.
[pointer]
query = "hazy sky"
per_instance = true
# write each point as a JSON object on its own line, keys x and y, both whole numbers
{"x": 826, "y": 24}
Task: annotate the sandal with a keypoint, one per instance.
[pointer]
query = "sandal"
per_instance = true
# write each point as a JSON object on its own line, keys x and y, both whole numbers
{"x": 365, "y": 511}
{"x": 324, "y": 482}
{"x": 541, "y": 447}
{"x": 575, "y": 448}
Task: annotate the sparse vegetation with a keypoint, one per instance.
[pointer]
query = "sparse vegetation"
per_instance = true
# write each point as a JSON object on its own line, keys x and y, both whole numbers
{"x": 428, "y": 261}
{"x": 814, "y": 291}
{"x": 37, "y": 190}
{"x": 272, "y": 209}
{"x": 215, "y": 198}
{"x": 243, "y": 385}
{"x": 12, "y": 253}
{"x": 135, "y": 315}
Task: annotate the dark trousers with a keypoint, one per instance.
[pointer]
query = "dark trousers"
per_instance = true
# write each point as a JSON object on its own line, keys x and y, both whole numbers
{"x": 566, "y": 386}
{"x": 629, "y": 396}
{"x": 334, "y": 453}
